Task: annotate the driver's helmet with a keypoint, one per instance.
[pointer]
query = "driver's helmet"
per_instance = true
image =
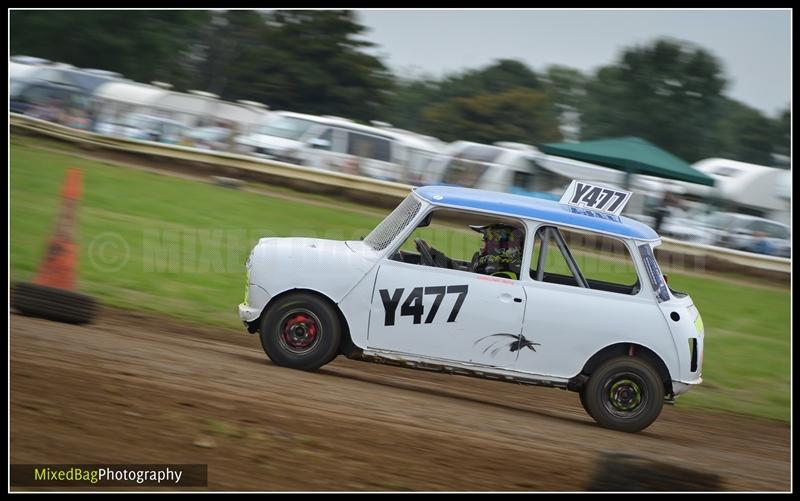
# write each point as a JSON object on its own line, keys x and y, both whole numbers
{"x": 501, "y": 251}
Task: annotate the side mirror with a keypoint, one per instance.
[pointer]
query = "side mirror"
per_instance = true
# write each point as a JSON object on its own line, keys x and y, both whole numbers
{"x": 318, "y": 143}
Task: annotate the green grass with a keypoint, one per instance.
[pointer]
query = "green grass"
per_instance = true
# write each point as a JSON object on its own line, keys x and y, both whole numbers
{"x": 177, "y": 247}
{"x": 747, "y": 347}
{"x": 131, "y": 223}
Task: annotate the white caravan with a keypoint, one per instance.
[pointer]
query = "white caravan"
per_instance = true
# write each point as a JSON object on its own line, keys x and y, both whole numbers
{"x": 339, "y": 144}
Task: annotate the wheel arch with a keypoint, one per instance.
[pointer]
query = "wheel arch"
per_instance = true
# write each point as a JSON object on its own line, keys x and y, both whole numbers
{"x": 346, "y": 345}
{"x": 623, "y": 349}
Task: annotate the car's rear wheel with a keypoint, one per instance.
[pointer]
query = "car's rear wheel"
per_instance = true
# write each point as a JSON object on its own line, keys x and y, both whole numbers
{"x": 625, "y": 393}
{"x": 301, "y": 331}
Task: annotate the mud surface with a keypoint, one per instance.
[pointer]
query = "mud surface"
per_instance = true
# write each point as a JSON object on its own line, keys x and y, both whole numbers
{"x": 132, "y": 388}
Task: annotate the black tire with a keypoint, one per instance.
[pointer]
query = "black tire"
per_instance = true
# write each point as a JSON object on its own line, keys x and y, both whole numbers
{"x": 301, "y": 331}
{"x": 625, "y": 394}
{"x": 53, "y": 304}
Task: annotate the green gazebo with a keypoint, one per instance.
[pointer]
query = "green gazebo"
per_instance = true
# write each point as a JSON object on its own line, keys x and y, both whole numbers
{"x": 632, "y": 155}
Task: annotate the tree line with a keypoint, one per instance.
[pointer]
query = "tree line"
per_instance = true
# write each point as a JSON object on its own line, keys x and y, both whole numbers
{"x": 669, "y": 92}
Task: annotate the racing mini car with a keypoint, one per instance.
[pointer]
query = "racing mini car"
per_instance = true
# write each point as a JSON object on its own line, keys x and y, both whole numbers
{"x": 565, "y": 294}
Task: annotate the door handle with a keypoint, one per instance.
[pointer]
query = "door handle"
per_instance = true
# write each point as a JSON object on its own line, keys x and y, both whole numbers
{"x": 506, "y": 297}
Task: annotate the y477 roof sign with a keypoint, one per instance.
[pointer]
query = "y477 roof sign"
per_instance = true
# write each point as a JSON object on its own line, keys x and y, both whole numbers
{"x": 595, "y": 197}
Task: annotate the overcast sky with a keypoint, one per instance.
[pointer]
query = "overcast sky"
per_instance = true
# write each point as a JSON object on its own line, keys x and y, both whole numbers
{"x": 754, "y": 46}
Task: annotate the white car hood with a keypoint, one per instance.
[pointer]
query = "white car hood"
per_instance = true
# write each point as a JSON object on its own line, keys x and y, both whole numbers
{"x": 327, "y": 266}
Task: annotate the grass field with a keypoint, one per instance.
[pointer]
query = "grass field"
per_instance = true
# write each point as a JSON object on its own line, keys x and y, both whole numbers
{"x": 162, "y": 244}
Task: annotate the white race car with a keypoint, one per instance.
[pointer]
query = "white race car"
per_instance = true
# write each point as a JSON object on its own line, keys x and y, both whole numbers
{"x": 563, "y": 294}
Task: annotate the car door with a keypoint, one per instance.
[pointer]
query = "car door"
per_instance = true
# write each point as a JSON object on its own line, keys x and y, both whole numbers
{"x": 582, "y": 303}
{"x": 446, "y": 314}
{"x": 317, "y": 143}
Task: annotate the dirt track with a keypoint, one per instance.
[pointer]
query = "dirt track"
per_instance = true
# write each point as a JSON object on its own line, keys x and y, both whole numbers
{"x": 138, "y": 389}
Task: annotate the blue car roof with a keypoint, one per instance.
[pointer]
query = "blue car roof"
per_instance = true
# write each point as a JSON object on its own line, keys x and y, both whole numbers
{"x": 534, "y": 208}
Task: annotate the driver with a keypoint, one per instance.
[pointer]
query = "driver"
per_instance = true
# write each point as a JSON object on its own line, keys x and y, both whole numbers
{"x": 501, "y": 252}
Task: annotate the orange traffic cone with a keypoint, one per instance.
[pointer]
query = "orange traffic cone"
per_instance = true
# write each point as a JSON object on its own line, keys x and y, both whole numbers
{"x": 52, "y": 295}
{"x": 58, "y": 267}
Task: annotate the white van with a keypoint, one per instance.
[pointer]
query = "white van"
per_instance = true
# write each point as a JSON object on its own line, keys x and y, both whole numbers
{"x": 524, "y": 170}
{"x": 339, "y": 144}
{"x": 740, "y": 186}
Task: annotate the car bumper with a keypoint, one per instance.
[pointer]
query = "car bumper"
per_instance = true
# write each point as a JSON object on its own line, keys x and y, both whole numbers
{"x": 247, "y": 313}
{"x": 681, "y": 387}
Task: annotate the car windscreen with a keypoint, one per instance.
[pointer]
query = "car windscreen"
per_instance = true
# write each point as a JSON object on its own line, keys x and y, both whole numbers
{"x": 286, "y": 128}
{"x": 393, "y": 225}
{"x": 17, "y": 86}
{"x": 141, "y": 122}
{"x": 208, "y": 133}
{"x": 467, "y": 168}
{"x": 719, "y": 220}
{"x": 776, "y": 231}
{"x": 418, "y": 160}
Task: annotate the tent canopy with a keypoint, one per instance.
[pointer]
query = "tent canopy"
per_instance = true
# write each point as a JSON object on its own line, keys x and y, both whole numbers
{"x": 630, "y": 154}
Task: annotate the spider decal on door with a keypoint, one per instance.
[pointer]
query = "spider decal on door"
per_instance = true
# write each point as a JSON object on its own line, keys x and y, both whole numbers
{"x": 519, "y": 342}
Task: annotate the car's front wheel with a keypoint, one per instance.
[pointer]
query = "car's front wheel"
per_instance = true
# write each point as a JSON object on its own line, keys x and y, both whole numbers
{"x": 625, "y": 393}
{"x": 301, "y": 331}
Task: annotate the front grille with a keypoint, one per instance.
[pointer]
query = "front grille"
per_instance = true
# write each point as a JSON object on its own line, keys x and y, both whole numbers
{"x": 693, "y": 348}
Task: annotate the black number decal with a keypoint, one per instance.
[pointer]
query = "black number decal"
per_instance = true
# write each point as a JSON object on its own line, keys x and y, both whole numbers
{"x": 591, "y": 197}
{"x": 461, "y": 290}
{"x": 413, "y": 305}
{"x": 620, "y": 198}
{"x": 440, "y": 292}
{"x": 605, "y": 199}
{"x": 580, "y": 190}
{"x": 390, "y": 304}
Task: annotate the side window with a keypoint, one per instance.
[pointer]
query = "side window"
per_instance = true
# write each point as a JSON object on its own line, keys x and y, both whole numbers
{"x": 550, "y": 261}
{"x": 547, "y": 181}
{"x": 65, "y": 97}
{"x": 776, "y": 231}
{"x": 37, "y": 94}
{"x": 522, "y": 180}
{"x": 366, "y": 146}
{"x": 468, "y": 242}
{"x": 464, "y": 172}
{"x": 583, "y": 259}
{"x": 324, "y": 141}
{"x": 754, "y": 226}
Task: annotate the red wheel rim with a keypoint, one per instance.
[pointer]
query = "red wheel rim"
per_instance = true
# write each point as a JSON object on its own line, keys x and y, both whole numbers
{"x": 299, "y": 331}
